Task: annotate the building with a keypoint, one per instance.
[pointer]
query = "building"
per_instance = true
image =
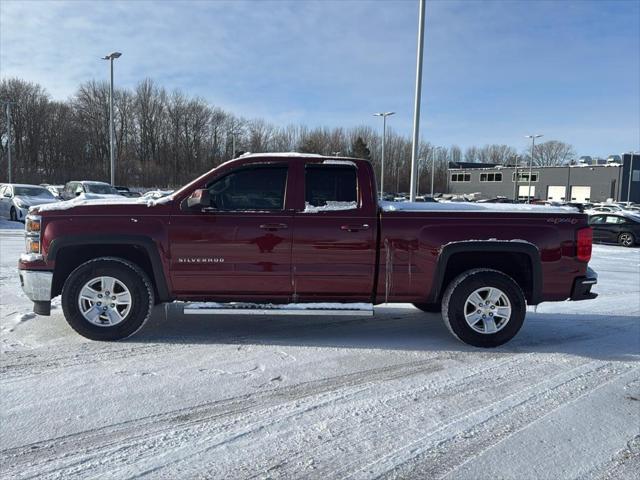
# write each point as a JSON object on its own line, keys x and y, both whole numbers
{"x": 583, "y": 182}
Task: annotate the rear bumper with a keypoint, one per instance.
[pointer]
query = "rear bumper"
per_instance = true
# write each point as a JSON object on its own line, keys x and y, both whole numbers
{"x": 36, "y": 285}
{"x": 582, "y": 286}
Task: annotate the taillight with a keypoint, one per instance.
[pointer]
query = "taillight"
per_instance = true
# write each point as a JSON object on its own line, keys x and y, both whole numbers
{"x": 584, "y": 240}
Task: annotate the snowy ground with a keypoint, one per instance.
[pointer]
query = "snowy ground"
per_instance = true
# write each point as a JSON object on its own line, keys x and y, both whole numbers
{"x": 393, "y": 396}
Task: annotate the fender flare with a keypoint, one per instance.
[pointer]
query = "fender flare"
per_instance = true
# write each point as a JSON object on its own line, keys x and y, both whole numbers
{"x": 493, "y": 246}
{"x": 146, "y": 243}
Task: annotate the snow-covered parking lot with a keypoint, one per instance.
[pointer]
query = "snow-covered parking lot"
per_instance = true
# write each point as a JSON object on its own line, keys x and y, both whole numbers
{"x": 393, "y": 396}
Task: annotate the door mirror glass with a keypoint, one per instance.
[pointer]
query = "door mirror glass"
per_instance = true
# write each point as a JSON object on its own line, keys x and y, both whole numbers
{"x": 199, "y": 198}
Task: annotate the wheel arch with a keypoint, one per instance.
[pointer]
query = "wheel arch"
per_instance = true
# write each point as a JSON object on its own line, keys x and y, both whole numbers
{"x": 518, "y": 259}
{"x": 70, "y": 252}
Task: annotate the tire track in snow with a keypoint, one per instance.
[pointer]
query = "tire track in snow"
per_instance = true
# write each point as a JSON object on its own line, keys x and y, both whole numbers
{"x": 439, "y": 452}
{"x": 32, "y": 460}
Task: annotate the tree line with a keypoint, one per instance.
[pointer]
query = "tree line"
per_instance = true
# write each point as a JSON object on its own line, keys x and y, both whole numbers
{"x": 168, "y": 138}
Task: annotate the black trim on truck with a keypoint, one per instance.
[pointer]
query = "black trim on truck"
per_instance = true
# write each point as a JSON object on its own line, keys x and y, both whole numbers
{"x": 146, "y": 243}
{"x": 582, "y": 286}
{"x": 494, "y": 246}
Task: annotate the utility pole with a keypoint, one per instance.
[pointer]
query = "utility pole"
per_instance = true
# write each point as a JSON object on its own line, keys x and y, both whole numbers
{"x": 384, "y": 116}
{"x": 630, "y": 172}
{"x": 516, "y": 194}
{"x": 8, "y": 108}
{"x": 416, "y": 106}
{"x": 111, "y": 57}
{"x": 533, "y": 147}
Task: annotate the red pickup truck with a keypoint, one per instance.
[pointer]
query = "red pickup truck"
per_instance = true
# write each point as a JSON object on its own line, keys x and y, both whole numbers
{"x": 301, "y": 234}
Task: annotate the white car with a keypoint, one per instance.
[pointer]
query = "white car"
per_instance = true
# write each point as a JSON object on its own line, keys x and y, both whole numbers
{"x": 15, "y": 199}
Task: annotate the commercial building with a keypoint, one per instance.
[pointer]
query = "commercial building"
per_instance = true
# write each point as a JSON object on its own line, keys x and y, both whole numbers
{"x": 582, "y": 182}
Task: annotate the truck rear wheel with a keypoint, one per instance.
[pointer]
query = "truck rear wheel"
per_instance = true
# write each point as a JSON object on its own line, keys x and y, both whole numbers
{"x": 107, "y": 298}
{"x": 483, "y": 308}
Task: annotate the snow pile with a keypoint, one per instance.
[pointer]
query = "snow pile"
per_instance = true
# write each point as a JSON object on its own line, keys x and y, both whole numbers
{"x": 92, "y": 199}
{"x": 471, "y": 207}
{"x": 330, "y": 206}
{"x": 284, "y": 306}
{"x": 348, "y": 163}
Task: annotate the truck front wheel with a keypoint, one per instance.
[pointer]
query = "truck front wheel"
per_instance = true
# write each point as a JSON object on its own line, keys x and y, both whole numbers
{"x": 483, "y": 307}
{"x": 107, "y": 298}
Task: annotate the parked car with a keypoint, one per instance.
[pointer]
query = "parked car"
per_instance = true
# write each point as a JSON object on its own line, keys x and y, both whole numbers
{"x": 16, "y": 199}
{"x": 620, "y": 228}
{"x": 298, "y": 234}
{"x": 496, "y": 200}
{"x": 425, "y": 198}
{"x": 125, "y": 192}
{"x": 75, "y": 188}
{"x": 56, "y": 190}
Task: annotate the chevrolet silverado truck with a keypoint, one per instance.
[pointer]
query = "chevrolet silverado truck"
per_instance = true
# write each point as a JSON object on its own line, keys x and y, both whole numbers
{"x": 301, "y": 234}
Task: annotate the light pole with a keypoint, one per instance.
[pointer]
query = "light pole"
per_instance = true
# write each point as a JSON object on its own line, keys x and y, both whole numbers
{"x": 384, "y": 116}
{"x": 516, "y": 194}
{"x": 416, "y": 105}
{"x": 533, "y": 147}
{"x": 111, "y": 57}
{"x": 8, "y": 107}
{"x": 630, "y": 172}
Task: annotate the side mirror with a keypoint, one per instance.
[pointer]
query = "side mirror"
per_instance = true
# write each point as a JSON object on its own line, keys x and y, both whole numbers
{"x": 199, "y": 198}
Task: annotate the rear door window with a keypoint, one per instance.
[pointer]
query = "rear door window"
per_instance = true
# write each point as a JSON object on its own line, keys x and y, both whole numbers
{"x": 330, "y": 187}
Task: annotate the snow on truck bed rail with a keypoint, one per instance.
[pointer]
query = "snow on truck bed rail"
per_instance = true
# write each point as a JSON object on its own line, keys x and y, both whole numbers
{"x": 471, "y": 207}
{"x": 89, "y": 199}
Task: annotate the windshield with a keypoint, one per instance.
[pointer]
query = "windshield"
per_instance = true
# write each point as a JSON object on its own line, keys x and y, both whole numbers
{"x": 32, "y": 192}
{"x": 100, "y": 188}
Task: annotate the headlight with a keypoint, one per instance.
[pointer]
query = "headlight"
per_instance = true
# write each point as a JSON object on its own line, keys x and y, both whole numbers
{"x": 32, "y": 226}
{"x": 21, "y": 203}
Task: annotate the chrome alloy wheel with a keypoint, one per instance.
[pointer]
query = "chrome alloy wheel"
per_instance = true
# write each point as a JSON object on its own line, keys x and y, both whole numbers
{"x": 487, "y": 310}
{"x": 626, "y": 239}
{"x": 104, "y": 301}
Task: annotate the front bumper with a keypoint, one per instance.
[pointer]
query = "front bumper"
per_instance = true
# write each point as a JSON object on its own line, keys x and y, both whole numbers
{"x": 582, "y": 286}
{"x": 36, "y": 285}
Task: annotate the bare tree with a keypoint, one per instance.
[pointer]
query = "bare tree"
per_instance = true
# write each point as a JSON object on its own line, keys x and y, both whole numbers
{"x": 553, "y": 153}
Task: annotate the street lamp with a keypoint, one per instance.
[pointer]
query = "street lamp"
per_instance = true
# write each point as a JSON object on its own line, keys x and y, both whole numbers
{"x": 384, "y": 116}
{"x": 533, "y": 146}
{"x": 631, "y": 154}
{"x": 111, "y": 57}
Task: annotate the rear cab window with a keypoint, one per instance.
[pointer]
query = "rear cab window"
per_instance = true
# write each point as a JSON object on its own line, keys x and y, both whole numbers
{"x": 330, "y": 187}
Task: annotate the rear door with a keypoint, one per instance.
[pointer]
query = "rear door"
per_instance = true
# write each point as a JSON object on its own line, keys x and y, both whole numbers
{"x": 240, "y": 247}
{"x": 334, "y": 247}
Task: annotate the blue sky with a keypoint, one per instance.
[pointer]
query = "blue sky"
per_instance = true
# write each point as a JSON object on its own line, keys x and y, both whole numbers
{"x": 494, "y": 71}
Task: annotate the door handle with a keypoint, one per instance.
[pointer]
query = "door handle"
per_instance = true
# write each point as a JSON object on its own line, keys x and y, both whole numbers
{"x": 273, "y": 226}
{"x": 354, "y": 228}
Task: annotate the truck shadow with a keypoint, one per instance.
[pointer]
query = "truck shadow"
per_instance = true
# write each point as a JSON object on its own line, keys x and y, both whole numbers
{"x": 608, "y": 337}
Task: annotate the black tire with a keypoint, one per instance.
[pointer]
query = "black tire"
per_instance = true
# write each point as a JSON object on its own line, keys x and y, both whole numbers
{"x": 626, "y": 239}
{"x": 13, "y": 215}
{"x": 454, "y": 303}
{"x": 129, "y": 274}
{"x": 429, "y": 307}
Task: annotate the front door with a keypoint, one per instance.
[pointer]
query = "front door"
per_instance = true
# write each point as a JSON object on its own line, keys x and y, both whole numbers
{"x": 240, "y": 247}
{"x": 334, "y": 246}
